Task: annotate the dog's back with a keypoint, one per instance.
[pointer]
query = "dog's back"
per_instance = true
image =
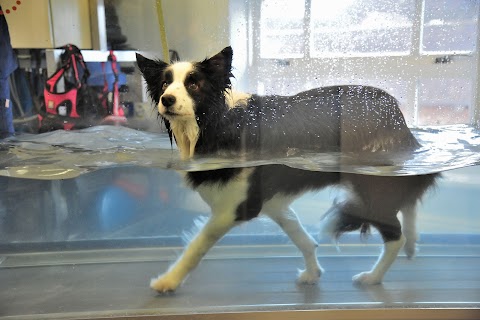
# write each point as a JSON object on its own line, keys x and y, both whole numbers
{"x": 336, "y": 118}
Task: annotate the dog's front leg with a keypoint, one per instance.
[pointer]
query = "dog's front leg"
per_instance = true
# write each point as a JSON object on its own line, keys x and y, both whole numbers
{"x": 213, "y": 230}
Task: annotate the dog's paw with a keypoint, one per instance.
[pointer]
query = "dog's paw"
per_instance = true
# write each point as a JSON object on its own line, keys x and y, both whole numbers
{"x": 309, "y": 277}
{"x": 366, "y": 278}
{"x": 410, "y": 249}
{"x": 164, "y": 283}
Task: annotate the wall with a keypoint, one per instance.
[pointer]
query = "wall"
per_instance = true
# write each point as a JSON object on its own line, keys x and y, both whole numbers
{"x": 197, "y": 29}
{"x": 71, "y": 23}
{"x": 139, "y": 23}
{"x": 50, "y": 24}
{"x": 30, "y": 15}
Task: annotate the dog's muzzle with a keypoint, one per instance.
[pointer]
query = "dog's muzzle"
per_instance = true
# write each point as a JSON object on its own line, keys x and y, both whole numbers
{"x": 168, "y": 100}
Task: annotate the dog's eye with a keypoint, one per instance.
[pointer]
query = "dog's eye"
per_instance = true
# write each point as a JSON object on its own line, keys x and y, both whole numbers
{"x": 164, "y": 85}
{"x": 193, "y": 86}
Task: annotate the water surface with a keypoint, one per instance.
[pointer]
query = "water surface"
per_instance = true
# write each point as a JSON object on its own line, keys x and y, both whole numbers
{"x": 67, "y": 154}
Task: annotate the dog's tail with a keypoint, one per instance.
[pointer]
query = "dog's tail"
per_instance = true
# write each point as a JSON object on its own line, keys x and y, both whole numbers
{"x": 337, "y": 221}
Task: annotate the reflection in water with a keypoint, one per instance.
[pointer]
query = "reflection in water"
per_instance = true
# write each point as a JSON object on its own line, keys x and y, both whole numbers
{"x": 67, "y": 154}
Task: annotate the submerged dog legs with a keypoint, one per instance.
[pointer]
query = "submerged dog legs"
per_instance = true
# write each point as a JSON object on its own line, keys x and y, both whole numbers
{"x": 387, "y": 257}
{"x": 213, "y": 230}
{"x": 409, "y": 229}
{"x": 352, "y": 215}
{"x": 288, "y": 221}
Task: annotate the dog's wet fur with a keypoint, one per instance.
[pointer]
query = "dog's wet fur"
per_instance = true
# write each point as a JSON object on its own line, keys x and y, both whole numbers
{"x": 205, "y": 116}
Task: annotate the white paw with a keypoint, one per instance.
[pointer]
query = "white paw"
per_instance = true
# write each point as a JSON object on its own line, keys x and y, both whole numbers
{"x": 410, "y": 249}
{"x": 366, "y": 278}
{"x": 164, "y": 283}
{"x": 309, "y": 277}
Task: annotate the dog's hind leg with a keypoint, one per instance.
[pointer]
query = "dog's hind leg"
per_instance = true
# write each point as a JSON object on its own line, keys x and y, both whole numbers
{"x": 217, "y": 226}
{"x": 409, "y": 229}
{"x": 287, "y": 219}
{"x": 393, "y": 242}
{"x": 351, "y": 215}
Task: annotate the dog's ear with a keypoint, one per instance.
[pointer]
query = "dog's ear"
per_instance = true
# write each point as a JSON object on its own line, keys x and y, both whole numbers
{"x": 152, "y": 71}
{"x": 220, "y": 66}
{"x": 222, "y": 60}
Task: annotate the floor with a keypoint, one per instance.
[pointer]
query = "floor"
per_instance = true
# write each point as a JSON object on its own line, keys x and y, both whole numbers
{"x": 94, "y": 284}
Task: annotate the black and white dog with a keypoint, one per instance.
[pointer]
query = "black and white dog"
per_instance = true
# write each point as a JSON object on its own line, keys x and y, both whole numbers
{"x": 205, "y": 116}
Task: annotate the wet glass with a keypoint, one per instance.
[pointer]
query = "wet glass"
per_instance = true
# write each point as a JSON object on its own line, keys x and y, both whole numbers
{"x": 352, "y": 28}
{"x": 88, "y": 216}
{"x": 450, "y": 26}
{"x": 281, "y": 34}
{"x": 448, "y": 29}
{"x": 454, "y": 106}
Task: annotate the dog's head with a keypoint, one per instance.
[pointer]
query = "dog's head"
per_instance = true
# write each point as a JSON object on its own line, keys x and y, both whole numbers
{"x": 186, "y": 92}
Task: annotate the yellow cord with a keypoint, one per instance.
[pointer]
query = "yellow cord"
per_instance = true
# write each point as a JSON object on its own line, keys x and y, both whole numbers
{"x": 163, "y": 33}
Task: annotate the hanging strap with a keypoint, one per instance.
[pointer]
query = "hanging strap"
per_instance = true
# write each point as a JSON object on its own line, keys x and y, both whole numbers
{"x": 116, "y": 96}
{"x": 73, "y": 62}
{"x": 53, "y": 80}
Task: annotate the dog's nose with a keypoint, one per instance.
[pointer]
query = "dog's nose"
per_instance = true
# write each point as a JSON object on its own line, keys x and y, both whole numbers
{"x": 168, "y": 100}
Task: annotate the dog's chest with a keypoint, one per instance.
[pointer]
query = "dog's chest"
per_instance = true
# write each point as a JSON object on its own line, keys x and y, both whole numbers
{"x": 222, "y": 190}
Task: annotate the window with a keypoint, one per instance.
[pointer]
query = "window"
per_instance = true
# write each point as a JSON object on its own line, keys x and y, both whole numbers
{"x": 340, "y": 28}
{"x": 282, "y": 35}
{"x": 423, "y": 52}
{"x": 450, "y": 26}
{"x": 355, "y": 28}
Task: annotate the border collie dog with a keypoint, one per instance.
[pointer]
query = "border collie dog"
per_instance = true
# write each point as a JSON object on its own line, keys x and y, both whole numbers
{"x": 205, "y": 116}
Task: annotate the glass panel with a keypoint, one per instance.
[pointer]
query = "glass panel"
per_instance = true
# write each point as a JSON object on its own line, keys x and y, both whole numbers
{"x": 450, "y": 26}
{"x": 88, "y": 216}
{"x": 282, "y": 29}
{"x": 126, "y": 22}
{"x": 444, "y": 101}
{"x": 348, "y": 27}
{"x": 139, "y": 214}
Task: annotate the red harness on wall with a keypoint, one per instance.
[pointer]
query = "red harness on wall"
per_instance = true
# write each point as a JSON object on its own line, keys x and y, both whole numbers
{"x": 78, "y": 105}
